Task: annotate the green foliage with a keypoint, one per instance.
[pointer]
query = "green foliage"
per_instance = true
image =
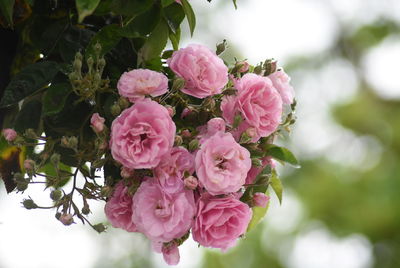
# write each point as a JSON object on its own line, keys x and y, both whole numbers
{"x": 276, "y": 185}
{"x": 28, "y": 81}
{"x": 6, "y": 9}
{"x": 55, "y": 98}
{"x": 29, "y": 116}
{"x": 258, "y": 214}
{"x": 281, "y": 154}
{"x": 85, "y": 8}
{"x": 190, "y": 16}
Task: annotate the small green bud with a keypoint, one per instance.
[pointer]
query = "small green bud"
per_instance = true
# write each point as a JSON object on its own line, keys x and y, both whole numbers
{"x": 115, "y": 109}
{"x": 209, "y": 103}
{"x": 99, "y": 227}
{"x": 106, "y": 191}
{"x": 256, "y": 162}
{"x": 90, "y": 62}
{"x": 97, "y": 78}
{"x": 97, "y": 48}
{"x": 29, "y": 204}
{"x": 55, "y": 195}
{"x": 73, "y": 76}
{"x": 221, "y": 47}
{"x": 22, "y": 186}
{"x": 66, "y": 219}
{"x": 19, "y": 177}
{"x": 123, "y": 103}
{"x": 85, "y": 209}
{"x": 258, "y": 69}
{"x": 178, "y": 84}
{"x": 77, "y": 65}
{"x": 194, "y": 145}
{"x": 270, "y": 66}
{"x": 55, "y": 159}
{"x": 78, "y": 56}
{"x": 102, "y": 63}
{"x": 178, "y": 140}
{"x": 69, "y": 142}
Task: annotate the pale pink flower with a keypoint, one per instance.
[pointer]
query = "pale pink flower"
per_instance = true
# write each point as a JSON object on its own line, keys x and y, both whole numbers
{"x": 139, "y": 83}
{"x": 171, "y": 253}
{"x": 281, "y": 82}
{"x": 160, "y": 216}
{"x": 142, "y": 135}
{"x": 97, "y": 123}
{"x": 260, "y": 200}
{"x": 204, "y": 72}
{"x": 222, "y": 164}
{"x": 220, "y": 221}
{"x": 257, "y": 102}
{"x": 9, "y": 134}
{"x": 214, "y": 125}
{"x": 172, "y": 167}
{"x": 118, "y": 208}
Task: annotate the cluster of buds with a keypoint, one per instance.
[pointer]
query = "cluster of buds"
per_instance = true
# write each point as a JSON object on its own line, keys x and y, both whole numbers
{"x": 85, "y": 85}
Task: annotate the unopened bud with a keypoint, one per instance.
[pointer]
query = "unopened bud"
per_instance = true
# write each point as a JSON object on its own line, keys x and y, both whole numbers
{"x": 22, "y": 186}
{"x": 106, "y": 191}
{"x": 55, "y": 195}
{"x": 90, "y": 62}
{"x": 102, "y": 63}
{"x": 127, "y": 173}
{"x": 19, "y": 177}
{"x": 242, "y": 66}
{"x": 260, "y": 200}
{"x": 66, "y": 219}
{"x": 69, "y": 142}
{"x": 221, "y": 47}
{"x": 178, "y": 140}
{"x": 123, "y": 103}
{"x": 9, "y": 134}
{"x": 30, "y": 133}
{"x": 55, "y": 159}
{"x": 270, "y": 66}
{"x": 77, "y": 65}
{"x": 191, "y": 183}
{"x": 85, "y": 209}
{"x": 97, "y": 48}
{"x": 97, "y": 78}
{"x": 78, "y": 56}
{"x": 209, "y": 103}
{"x": 29, "y": 204}
{"x": 99, "y": 227}
{"x": 193, "y": 145}
{"x": 115, "y": 109}
{"x": 186, "y": 133}
{"x": 186, "y": 112}
{"x": 258, "y": 69}
{"x": 171, "y": 110}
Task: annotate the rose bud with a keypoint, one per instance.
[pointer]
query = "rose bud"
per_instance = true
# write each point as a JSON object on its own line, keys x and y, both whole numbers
{"x": 97, "y": 123}
{"x": 171, "y": 253}
{"x": 66, "y": 219}
{"x": 127, "y": 173}
{"x": 9, "y": 134}
{"x": 260, "y": 200}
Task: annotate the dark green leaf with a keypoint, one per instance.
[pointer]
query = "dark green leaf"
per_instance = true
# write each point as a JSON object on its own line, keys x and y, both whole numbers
{"x": 55, "y": 98}
{"x": 191, "y": 18}
{"x": 85, "y": 8}
{"x": 174, "y": 16}
{"x": 6, "y": 9}
{"x": 28, "y": 81}
{"x": 108, "y": 37}
{"x": 143, "y": 24}
{"x": 282, "y": 154}
{"x": 155, "y": 43}
{"x": 130, "y": 7}
{"x": 29, "y": 116}
{"x": 277, "y": 186}
{"x": 50, "y": 170}
{"x": 165, "y": 3}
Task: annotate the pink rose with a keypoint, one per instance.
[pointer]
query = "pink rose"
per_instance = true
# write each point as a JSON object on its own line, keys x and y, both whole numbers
{"x": 204, "y": 72}
{"x": 214, "y": 125}
{"x": 161, "y": 216}
{"x": 222, "y": 164}
{"x": 138, "y": 83}
{"x": 172, "y": 167}
{"x": 97, "y": 123}
{"x": 171, "y": 253}
{"x": 254, "y": 171}
{"x": 260, "y": 200}
{"x": 119, "y": 208}
{"x": 281, "y": 82}
{"x": 220, "y": 221}
{"x": 142, "y": 135}
{"x": 259, "y": 104}
{"x": 9, "y": 134}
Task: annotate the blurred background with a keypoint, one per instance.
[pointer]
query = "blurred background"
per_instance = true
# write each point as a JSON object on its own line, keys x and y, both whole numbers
{"x": 341, "y": 209}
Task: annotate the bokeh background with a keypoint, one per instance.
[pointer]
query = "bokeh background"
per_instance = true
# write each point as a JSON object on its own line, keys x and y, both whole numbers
{"x": 341, "y": 209}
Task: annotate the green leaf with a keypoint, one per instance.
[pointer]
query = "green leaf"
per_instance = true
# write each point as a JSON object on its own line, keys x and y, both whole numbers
{"x": 130, "y": 7}
{"x": 282, "y": 154}
{"x": 258, "y": 215}
{"x": 29, "y": 116}
{"x": 50, "y": 170}
{"x": 191, "y": 18}
{"x": 276, "y": 186}
{"x": 85, "y": 8}
{"x": 174, "y": 16}
{"x": 155, "y": 43}
{"x": 165, "y": 3}
{"x": 6, "y": 9}
{"x": 55, "y": 97}
{"x": 175, "y": 38}
{"x": 108, "y": 37}
{"x": 143, "y": 24}
{"x": 28, "y": 81}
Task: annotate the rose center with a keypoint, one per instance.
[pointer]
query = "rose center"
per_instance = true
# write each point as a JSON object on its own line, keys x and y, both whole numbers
{"x": 162, "y": 210}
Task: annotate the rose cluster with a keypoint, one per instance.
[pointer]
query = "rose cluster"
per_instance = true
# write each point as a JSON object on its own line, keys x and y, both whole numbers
{"x": 180, "y": 175}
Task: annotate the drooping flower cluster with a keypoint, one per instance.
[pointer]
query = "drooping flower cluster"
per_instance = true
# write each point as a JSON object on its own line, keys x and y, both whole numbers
{"x": 193, "y": 170}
